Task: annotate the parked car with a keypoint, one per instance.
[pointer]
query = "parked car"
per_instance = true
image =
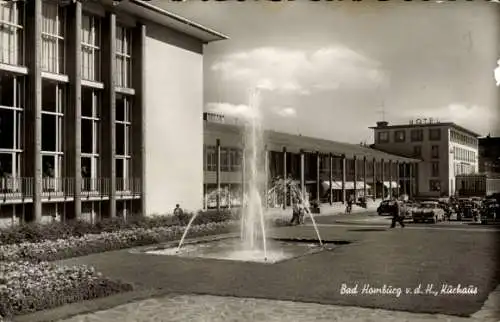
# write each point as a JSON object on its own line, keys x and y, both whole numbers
{"x": 385, "y": 208}
{"x": 490, "y": 212}
{"x": 428, "y": 211}
{"x": 409, "y": 209}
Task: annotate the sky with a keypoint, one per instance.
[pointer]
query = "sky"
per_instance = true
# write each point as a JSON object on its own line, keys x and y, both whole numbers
{"x": 332, "y": 69}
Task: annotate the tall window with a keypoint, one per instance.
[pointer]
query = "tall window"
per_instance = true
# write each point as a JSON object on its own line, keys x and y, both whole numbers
{"x": 52, "y": 132}
{"x": 11, "y": 129}
{"x": 123, "y": 125}
{"x": 383, "y": 137}
{"x": 211, "y": 158}
{"x": 417, "y": 135}
{"x": 90, "y": 137}
{"x": 435, "y": 152}
{"x": 11, "y": 36}
{"x": 435, "y": 134}
{"x": 224, "y": 159}
{"x": 53, "y": 17}
{"x": 399, "y": 136}
{"x": 123, "y": 57}
{"x": 435, "y": 169}
{"x": 91, "y": 42}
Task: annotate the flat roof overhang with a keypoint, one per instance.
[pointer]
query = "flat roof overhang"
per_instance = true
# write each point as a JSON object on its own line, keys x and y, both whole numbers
{"x": 150, "y": 12}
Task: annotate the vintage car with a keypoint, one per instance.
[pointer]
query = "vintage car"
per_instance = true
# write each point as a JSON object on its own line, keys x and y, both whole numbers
{"x": 409, "y": 208}
{"x": 490, "y": 212}
{"x": 385, "y": 208}
{"x": 428, "y": 211}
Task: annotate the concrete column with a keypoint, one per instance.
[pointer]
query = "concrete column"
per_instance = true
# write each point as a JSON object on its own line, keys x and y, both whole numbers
{"x": 302, "y": 173}
{"x": 73, "y": 114}
{"x": 330, "y": 179}
{"x": 243, "y": 175}
{"x": 410, "y": 185}
{"x": 284, "y": 178}
{"x": 344, "y": 199}
{"x": 217, "y": 172}
{"x": 266, "y": 183}
{"x": 139, "y": 110}
{"x": 398, "y": 178}
{"x": 382, "y": 176}
{"x": 405, "y": 178}
{"x": 391, "y": 170}
{"x": 364, "y": 176}
{"x": 33, "y": 130}
{"x": 374, "y": 174}
{"x": 317, "y": 177}
{"x": 355, "y": 181}
{"x": 108, "y": 60}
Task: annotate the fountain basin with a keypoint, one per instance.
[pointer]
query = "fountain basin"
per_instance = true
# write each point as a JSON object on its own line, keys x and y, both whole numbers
{"x": 231, "y": 249}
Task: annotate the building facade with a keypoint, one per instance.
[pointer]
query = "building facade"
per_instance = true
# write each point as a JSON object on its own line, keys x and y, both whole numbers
{"x": 445, "y": 149}
{"x": 489, "y": 156}
{"x": 329, "y": 171}
{"x": 79, "y": 81}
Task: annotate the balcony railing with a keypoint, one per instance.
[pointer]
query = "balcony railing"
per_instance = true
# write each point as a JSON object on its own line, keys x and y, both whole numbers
{"x": 95, "y": 187}
{"x": 15, "y": 188}
{"x": 128, "y": 186}
{"x": 58, "y": 187}
{"x": 19, "y": 189}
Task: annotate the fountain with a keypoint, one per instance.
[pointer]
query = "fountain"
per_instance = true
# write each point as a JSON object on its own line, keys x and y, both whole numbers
{"x": 253, "y": 244}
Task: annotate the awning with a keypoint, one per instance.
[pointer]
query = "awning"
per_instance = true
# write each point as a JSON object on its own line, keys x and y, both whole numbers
{"x": 387, "y": 184}
{"x": 349, "y": 185}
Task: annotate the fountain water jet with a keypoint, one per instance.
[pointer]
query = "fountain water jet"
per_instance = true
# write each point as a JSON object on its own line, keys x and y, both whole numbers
{"x": 253, "y": 227}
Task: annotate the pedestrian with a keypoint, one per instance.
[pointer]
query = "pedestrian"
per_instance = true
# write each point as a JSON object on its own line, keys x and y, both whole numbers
{"x": 179, "y": 214}
{"x": 396, "y": 214}
{"x": 349, "y": 204}
{"x": 295, "y": 212}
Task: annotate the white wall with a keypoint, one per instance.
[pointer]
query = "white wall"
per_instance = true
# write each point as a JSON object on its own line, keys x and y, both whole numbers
{"x": 174, "y": 128}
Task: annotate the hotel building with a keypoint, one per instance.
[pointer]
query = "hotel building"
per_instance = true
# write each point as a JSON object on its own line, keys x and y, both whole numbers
{"x": 445, "y": 149}
{"x": 79, "y": 81}
{"x": 329, "y": 171}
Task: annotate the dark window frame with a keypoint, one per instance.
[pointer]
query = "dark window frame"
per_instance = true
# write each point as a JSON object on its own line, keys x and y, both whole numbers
{"x": 398, "y": 138}
{"x": 417, "y": 135}
{"x": 379, "y": 137}
{"x": 435, "y": 134}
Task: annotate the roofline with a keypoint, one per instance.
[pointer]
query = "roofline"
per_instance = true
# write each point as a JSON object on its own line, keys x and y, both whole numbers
{"x": 382, "y": 154}
{"x": 399, "y": 126}
{"x": 178, "y": 18}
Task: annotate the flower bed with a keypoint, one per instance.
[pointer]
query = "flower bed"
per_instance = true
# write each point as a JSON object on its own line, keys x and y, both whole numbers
{"x": 28, "y": 287}
{"x": 50, "y": 250}
{"x": 57, "y": 230}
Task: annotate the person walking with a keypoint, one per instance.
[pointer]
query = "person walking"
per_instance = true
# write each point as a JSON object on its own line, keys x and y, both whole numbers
{"x": 397, "y": 214}
{"x": 349, "y": 204}
{"x": 295, "y": 212}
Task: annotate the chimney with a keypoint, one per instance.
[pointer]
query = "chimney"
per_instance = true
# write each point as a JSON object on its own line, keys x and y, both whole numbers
{"x": 382, "y": 124}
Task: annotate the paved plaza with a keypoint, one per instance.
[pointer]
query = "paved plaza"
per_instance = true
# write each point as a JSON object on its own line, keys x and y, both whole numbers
{"x": 218, "y": 290}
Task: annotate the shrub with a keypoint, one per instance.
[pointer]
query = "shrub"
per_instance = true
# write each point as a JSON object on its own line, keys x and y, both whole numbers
{"x": 76, "y": 228}
{"x": 28, "y": 287}
{"x": 50, "y": 250}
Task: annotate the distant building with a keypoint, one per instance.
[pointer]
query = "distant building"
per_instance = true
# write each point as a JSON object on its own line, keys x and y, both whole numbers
{"x": 311, "y": 162}
{"x": 489, "y": 156}
{"x": 446, "y": 150}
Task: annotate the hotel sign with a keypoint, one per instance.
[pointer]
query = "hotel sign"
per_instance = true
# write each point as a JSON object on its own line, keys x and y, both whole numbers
{"x": 429, "y": 120}
{"x": 213, "y": 117}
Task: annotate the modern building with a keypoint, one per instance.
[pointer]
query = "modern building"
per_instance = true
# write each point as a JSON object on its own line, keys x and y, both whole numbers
{"x": 446, "y": 150}
{"x": 315, "y": 164}
{"x": 489, "y": 156}
{"x": 79, "y": 82}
